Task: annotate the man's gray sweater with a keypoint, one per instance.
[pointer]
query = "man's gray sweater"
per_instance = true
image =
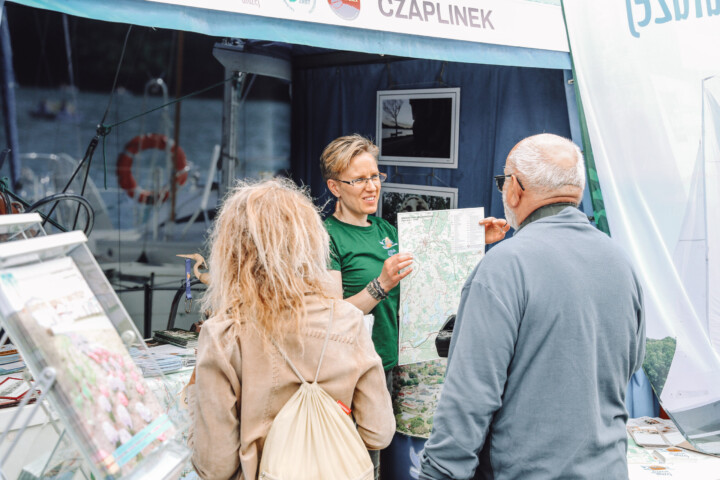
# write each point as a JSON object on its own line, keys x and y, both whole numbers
{"x": 549, "y": 330}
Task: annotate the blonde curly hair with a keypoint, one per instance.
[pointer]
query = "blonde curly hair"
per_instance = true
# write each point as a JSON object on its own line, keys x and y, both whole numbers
{"x": 268, "y": 249}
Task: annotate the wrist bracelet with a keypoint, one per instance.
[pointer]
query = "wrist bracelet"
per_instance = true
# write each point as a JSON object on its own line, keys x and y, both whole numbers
{"x": 373, "y": 292}
{"x": 379, "y": 288}
{"x": 376, "y": 291}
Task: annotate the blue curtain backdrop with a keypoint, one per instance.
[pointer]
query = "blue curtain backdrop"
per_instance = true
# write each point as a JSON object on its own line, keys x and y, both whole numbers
{"x": 498, "y": 107}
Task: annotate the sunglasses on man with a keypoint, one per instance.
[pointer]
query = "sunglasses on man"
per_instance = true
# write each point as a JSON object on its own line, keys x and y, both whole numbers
{"x": 500, "y": 182}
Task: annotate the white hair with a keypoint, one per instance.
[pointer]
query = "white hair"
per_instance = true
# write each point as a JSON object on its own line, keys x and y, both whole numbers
{"x": 533, "y": 159}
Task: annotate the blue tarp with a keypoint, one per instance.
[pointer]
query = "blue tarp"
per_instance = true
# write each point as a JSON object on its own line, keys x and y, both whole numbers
{"x": 499, "y": 106}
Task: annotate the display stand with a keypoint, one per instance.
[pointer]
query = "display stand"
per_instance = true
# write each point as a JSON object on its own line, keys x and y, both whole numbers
{"x": 74, "y": 335}
{"x": 20, "y": 227}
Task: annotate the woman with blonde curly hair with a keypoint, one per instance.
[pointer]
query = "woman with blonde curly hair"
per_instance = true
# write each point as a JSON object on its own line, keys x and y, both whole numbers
{"x": 269, "y": 282}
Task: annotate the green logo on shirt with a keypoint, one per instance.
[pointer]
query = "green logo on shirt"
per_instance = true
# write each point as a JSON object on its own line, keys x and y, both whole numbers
{"x": 388, "y": 245}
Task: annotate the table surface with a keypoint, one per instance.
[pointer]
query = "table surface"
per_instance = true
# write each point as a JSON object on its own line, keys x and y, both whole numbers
{"x": 642, "y": 465}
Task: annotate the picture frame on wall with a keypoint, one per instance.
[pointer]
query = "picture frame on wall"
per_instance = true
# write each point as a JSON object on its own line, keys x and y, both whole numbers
{"x": 418, "y": 128}
{"x": 398, "y": 197}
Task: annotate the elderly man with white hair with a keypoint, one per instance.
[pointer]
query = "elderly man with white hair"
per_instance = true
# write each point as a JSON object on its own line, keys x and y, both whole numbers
{"x": 549, "y": 330}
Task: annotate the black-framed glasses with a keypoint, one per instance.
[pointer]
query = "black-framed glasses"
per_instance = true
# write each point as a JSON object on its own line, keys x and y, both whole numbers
{"x": 361, "y": 182}
{"x": 500, "y": 182}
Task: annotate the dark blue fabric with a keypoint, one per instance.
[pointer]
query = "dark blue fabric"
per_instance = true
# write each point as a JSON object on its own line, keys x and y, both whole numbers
{"x": 498, "y": 107}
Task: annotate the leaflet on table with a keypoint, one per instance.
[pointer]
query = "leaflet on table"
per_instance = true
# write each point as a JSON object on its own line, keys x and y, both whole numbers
{"x": 680, "y": 471}
{"x": 167, "y": 349}
{"x": 637, "y": 454}
{"x": 654, "y": 432}
{"x": 57, "y": 322}
{"x": 11, "y": 358}
{"x": 12, "y": 367}
{"x": 13, "y": 388}
{"x": 676, "y": 455}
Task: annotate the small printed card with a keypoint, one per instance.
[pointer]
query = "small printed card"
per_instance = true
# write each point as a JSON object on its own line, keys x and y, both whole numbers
{"x": 12, "y": 388}
{"x": 674, "y": 454}
{"x": 654, "y": 432}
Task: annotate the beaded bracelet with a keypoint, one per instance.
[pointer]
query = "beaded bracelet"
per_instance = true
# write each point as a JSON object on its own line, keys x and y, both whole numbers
{"x": 376, "y": 291}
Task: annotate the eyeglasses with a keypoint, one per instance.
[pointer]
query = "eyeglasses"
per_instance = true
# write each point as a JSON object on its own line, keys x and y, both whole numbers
{"x": 500, "y": 181}
{"x": 361, "y": 182}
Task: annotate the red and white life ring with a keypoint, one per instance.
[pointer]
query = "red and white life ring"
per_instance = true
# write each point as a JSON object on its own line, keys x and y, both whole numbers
{"x": 124, "y": 167}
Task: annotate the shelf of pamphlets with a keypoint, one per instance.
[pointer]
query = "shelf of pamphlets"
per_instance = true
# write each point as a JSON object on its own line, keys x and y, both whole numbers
{"x": 20, "y": 227}
{"x": 68, "y": 324}
{"x": 10, "y": 362}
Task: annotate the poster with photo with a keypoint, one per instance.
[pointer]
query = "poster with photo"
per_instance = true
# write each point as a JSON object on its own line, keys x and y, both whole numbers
{"x": 56, "y": 321}
{"x": 396, "y": 198}
{"x": 418, "y": 128}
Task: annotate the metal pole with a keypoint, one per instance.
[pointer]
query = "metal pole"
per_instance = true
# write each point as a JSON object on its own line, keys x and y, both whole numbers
{"x": 178, "y": 94}
{"x": 231, "y": 107}
{"x": 43, "y": 385}
{"x": 147, "y": 313}
{"x": 9, "y": 109}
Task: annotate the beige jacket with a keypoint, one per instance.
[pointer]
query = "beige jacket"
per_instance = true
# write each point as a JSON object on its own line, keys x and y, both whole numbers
{"x": 241, "y": 384}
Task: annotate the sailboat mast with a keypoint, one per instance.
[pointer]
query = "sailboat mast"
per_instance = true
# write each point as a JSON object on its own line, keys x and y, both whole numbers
{"x": 176, "y": 133}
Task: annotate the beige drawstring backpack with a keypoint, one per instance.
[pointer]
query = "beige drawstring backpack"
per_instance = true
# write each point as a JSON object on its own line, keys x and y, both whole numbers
{"x": 312, "y": 438}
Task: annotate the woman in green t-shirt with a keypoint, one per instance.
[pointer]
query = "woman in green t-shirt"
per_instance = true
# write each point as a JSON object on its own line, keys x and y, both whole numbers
{"x": 364, "y": 256}
{"x": 364, "y": 248}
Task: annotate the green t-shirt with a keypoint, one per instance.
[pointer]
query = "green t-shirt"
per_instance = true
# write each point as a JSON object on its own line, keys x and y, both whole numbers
{"x": 359, "y": 253}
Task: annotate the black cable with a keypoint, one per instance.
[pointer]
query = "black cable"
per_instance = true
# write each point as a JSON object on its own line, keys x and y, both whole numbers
{"x": 117, "y": 74}
{"x": 94, "y": 142}
{"x": 88, "y": 154}
{"x": 82, "y": 201}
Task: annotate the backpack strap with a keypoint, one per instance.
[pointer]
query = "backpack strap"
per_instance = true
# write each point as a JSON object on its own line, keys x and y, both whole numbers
{"x": 327, "y": 339}
{"x": 322, "y": 354}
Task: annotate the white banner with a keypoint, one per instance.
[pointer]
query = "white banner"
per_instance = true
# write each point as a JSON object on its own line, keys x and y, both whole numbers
{"x": 518, "y": 23}
{"x": 641, "y": 68}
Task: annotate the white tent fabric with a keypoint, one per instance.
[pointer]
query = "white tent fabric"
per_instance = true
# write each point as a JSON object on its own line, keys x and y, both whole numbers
{"x": 711, "y": 154}
{"x": 640, "y": 72}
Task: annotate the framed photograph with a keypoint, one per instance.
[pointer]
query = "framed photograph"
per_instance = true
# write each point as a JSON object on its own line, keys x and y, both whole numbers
{"x": 418, "y": 128}
{"x": 397, "y": 197}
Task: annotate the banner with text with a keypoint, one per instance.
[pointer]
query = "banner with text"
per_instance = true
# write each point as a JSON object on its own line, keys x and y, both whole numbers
{"x": 518, "y": 23}
{"x": 645, "y": 72}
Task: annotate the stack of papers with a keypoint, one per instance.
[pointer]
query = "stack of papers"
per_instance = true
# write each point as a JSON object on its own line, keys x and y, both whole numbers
{"x": 639, "y": 455}
{"x": 675, "y": 455}
{"x": 187, "y": 355}
{"x": 654, "y": 432}
{"x": 153, "y": 364}
{"x": 176, "y": 336}
{"x": 10, "y": 360}
{"x": 12, "y": 390}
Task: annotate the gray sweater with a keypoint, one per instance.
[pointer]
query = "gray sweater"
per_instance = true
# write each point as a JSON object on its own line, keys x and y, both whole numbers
{"x": 549, "y": 330}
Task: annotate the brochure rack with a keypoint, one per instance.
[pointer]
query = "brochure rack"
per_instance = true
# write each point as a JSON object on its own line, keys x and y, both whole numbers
{"x": 74, "y": 334}
{"x": 20, "y": 227}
